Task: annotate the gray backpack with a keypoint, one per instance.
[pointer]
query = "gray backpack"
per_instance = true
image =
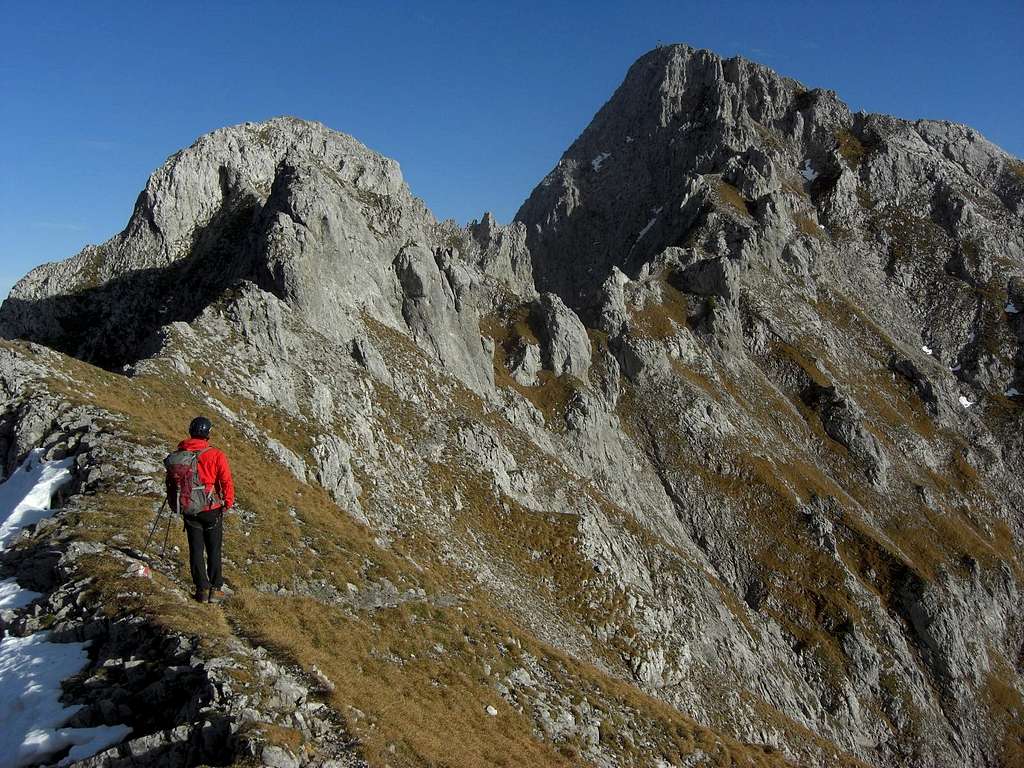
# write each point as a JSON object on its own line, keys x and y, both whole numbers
{"x": 185, "y": 491}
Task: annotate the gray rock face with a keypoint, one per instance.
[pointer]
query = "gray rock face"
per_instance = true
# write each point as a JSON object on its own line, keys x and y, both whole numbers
{"x": 612, "y": 317}
{"x": 333, "y": 457}
{"x": 525, "y": 363}
{"x": 501, "y": 252}
{"x": 908, "y": 369}
{"x": 250, "y": 201}
{"x": 711, "y": 277}
{"x": 434, "y": 308}
{"x": 813, "y": 248}
{"x": 367, "y": 355}
{"x": 287, "y": 457}
{"x": 680, "y": 112}
{"x": 565, "y": 347}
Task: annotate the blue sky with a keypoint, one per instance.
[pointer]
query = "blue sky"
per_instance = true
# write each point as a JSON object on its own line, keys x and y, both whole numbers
{"x": 476, "y": 100}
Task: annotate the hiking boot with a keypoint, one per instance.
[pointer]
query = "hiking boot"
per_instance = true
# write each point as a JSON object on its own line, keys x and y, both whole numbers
{"x": 215, "y": 596}
{"x": 201, "y": 596}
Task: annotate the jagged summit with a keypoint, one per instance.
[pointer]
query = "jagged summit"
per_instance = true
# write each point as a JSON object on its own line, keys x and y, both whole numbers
{"x": 684, "y": 122}
{"x": 713, "y": 456}
{"x": 217, "y": 213}
{"x": 306, "y": 213}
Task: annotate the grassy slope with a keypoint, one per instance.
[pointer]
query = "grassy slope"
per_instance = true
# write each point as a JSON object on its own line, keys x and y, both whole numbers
{"x": 385, "y": 663}
{"x": 419, "y": 706}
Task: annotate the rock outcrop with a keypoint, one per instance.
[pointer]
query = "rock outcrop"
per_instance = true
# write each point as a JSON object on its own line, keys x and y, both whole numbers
{"x": 565, "y": 347}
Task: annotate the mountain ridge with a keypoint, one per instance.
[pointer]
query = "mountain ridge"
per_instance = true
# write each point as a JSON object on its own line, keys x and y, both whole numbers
{"x": 714, "y": 467}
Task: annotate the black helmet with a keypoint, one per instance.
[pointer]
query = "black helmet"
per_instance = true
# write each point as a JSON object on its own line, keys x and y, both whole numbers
{"x": 200, "y": 427}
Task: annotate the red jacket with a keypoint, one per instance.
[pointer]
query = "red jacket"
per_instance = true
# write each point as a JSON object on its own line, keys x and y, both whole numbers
{"x": 214, "y": 470}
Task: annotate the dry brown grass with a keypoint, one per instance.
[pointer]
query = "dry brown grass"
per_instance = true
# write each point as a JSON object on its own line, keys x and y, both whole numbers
{"x": 896, "y": 403}
{"x": 539, "y": 550}
{"x": 158, "y": 599}
{"x": 912, "y": 237}
{"x": 422, "y": 707}
{"x": 663, "y": 320}
{"x": 850, "y": 148}
{"x": 769, "y": 136}
{"x": 805, "y": 364}
{"x": 1007, "y": 709}
{"x": 696, "y": 378}
{"x": 809, "y": 226}
{"x": 944, "y": 538}
{"x": 158, "y": 413}
{"x": 425, "y": 707}
{"x": 509, "y": 325}
{"x": 838, "y": 307}
{"x": 271, "y": 733}
{"x": 731, "y": 197}
{"x": 929, "y": 538}
{"x": 552, "y": 394}
{"x": 407, "y": 702}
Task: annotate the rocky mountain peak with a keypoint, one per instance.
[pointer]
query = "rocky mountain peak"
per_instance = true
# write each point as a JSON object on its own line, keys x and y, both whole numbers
{"x": 688, "y": 128}
{"x": 712, "y": 456}
{"x": 229, "y": 208}
{"x": 675, "y": 85}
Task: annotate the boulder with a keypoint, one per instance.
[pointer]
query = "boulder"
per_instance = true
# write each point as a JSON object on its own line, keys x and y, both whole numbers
{"x": 564, "y": 344}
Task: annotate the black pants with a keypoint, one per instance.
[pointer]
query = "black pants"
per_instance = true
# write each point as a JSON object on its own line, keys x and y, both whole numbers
{"x": 205, "y": 531}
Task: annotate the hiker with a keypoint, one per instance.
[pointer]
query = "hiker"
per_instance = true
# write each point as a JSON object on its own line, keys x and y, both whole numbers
{"x": 200, "y": 488}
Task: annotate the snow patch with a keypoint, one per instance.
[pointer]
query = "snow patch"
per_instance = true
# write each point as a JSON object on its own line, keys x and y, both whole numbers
{"x": 955, "y": 368}
{"x": 926, "y": 349}
{"x": 12, "y": 596}
{"x": 1012, "y": 392}
{"x": 965, "y": 402}
{"x": 32, "y": 668}
{"x": 1011, "y": 308}
{"x": 646, "y": 229}
{"x": 25, "y": 496}
{"x": 650, "y": 223}
{"x": 598, "y": 161}
{"x": 808, "y": 172}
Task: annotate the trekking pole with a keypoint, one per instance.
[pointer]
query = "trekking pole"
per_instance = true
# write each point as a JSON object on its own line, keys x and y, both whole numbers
{"x": 152, "y": 530}
{"x": 167, "y": 533}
